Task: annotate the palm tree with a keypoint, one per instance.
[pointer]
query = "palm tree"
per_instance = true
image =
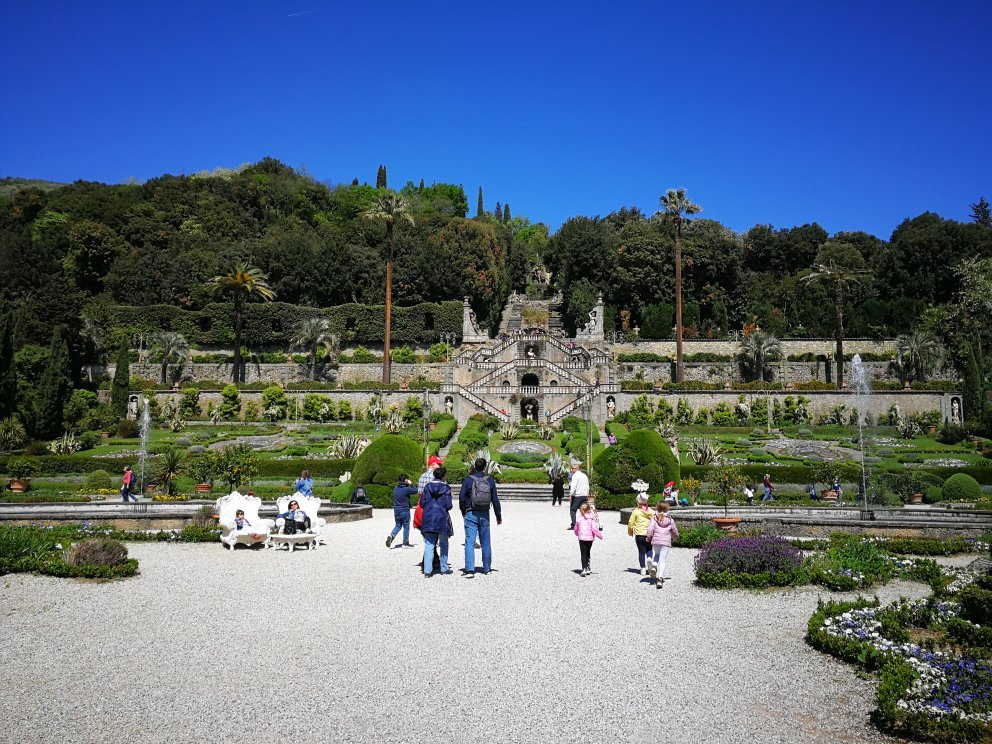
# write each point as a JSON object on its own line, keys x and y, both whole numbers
{"x": 243, "y": 283}
{"x": 171, "y": 344}
{"x": 756, "y": 349}
{"x": 392, "y": 209}
{"x": 918, "y": 352}
{"x": 841, "y": 265}
{"x": 675, "y": 207}
{"x": 313, "y": 334}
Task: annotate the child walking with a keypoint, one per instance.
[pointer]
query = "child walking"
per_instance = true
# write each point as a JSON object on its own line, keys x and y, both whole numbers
{"x": 586, "y": 530}
{"x": 660, "y": 534}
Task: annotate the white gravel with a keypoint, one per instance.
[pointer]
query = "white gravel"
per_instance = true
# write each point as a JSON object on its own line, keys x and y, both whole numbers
{"x": 350, "y": 643}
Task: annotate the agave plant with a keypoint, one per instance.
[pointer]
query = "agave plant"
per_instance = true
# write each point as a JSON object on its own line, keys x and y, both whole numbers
{"x": 671, "y": 435}
{"x": 492, "y": 467}
{"x": 556, "y": 466}
{"x": 704, "y": 453}
{"x": 176, "y": 423}
{"x": 65, "y": 445}
{"x": 546, "y": 433}
{"x": 215, "y": 416}
{"x": 12, "y": 434}
{"x": 169, "y": 468}
{"x": 374, "y": 409}
{"x": 347, "y": 448}
{"x": 394, "y": 422}
{"x": 908, "y": 429}
{"x": 509, "y": 431}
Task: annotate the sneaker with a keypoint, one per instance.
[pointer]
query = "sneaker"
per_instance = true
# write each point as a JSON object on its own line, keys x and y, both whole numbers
{"x": 652, "y": 570}
{"x": 650, "y": 564}
{"x": 661, "y": 583}
{"x": 428, "y": 575}
{"x": 389, "y": 540}
{"x": 407, "y": 545}
{"x": 469, "y": 574}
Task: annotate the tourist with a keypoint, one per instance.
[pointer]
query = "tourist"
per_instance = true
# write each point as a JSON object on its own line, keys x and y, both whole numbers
{"x": 611, "y": 440}
{"x": 433, "y": 463}
{"x": 401, "y": 510}
{"x": 294, "y": 519}
{"x": 128, "y": 485}
{"x": 557, "y": 489}
{"x": 749, "y": 493}
{"x": 578, "y": 490}
{"x": 660, "y": 534}
{"x": 769, "y": 488}
{"x": 304, "y": 486}
{"x": 477, "y": 495}
{"x": 671, "y": 496}
{"x": 813, "y": 495}
{"x": 637, "y": 527}
{"x": 586, "y": 529}
{"x": 359, "y": 496}
{"x": 239, "y": 520}
{"x": 436, "y": 526}
{"x": 837, "y": 491}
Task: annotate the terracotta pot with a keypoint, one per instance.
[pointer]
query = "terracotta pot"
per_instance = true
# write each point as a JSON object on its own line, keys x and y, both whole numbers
{"x": 727, "y": 524}
{"x": 20, "y": 485}
{"x": 105, "y": 434}
{"x": 932, "y": 429}
{"x": 203, "y": 488}
{"x": 916, "y": 498}
{"x": 433, "y": 425}
{"x": 150, "y": 488}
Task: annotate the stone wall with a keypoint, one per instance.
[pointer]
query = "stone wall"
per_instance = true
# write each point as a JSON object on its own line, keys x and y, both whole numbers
{"x": 283, "y": 374}
{"x": 789, "y": 346}
{"x": 720, "y": 371}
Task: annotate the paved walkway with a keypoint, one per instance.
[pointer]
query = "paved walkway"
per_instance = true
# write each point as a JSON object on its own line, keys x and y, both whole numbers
{"x": 350, "y": 643}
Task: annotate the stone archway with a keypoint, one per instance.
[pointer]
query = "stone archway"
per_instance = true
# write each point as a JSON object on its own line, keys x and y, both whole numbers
{"x": 530, "y": 380}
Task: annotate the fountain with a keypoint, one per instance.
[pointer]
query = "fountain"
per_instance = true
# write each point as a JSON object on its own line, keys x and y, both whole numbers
{"x": 146, "y": 425}
{"x": 859, "y": 380}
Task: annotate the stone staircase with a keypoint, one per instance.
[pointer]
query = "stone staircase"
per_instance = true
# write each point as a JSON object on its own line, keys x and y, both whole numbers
{"x": 524, "y": 492}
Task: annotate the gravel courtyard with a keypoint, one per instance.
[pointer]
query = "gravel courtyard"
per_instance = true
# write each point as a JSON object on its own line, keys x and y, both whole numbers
{"x": 351, "y": 643}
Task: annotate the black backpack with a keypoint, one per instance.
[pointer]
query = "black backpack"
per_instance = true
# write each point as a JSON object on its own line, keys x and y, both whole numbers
{"x": 481, "y": 493}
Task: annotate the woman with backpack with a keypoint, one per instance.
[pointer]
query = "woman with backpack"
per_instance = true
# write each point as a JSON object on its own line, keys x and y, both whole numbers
{"x": 436, "y": 524}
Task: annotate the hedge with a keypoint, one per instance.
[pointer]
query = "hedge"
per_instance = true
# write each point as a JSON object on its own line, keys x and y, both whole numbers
{"x": 272, "y": 323}
{"x": 386, "y": 458}
{"x": 642, "y": 454}
{"x": 961, "y": 487}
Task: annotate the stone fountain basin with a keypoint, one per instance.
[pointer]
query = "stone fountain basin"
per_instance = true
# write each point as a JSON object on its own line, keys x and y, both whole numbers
{"x": 804, "y": 449}
{"x": 525, "y": 447}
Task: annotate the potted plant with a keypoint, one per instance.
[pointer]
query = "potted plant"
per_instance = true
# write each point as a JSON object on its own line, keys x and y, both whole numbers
{"x": 203, "y": 470}
{"x": 21, "y": 470}
{"x": 728, "y": 480}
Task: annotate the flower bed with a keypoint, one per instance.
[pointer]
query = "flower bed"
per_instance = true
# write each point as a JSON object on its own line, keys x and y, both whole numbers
{"x": 748, "y": 562}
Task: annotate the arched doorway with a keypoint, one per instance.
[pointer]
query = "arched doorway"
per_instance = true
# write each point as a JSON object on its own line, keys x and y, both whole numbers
{"x": 530, "y": 380}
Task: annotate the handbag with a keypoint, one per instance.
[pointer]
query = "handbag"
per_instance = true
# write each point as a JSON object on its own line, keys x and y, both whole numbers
{"x": 418, "y": 514}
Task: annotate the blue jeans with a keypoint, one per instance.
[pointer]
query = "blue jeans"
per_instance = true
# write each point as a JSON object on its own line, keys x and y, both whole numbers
{"x": 430, "y": 540}
{"x": 477, "y": 525}
{"x": 768, "y": 495}
{"x": 402, "y": 522}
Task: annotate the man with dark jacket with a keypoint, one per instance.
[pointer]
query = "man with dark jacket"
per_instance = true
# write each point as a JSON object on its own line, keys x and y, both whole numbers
{"x": 401, "y": 510}
{"x": 477, "y": 495}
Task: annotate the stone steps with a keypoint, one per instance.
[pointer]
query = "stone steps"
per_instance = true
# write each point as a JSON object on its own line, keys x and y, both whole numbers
{"x": 524, "y": 491}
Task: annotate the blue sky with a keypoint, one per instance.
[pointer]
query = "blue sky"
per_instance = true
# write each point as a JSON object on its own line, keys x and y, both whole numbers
{"x": 856, "y": 115}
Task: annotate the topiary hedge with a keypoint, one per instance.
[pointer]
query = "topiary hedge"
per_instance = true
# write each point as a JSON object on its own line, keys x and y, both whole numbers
{"x": 961, "y": 487}
{"x": 386, "y": 458}
{"x": 643, "y": 454}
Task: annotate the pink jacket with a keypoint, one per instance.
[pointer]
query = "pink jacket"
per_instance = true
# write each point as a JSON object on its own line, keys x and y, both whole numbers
{"x": 662, "y": 532}
{"x": 586, "y": 528}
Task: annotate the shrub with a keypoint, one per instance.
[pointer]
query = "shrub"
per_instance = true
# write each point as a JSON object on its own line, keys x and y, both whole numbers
{"x": 698, "y": 536}
{"x": 642, "y": 454}
{"x": 747, "y": 562}
{"x": 230, "y": 407}
{"x": 98, "y": 480}
{"x": 976, "y": 604}
{"x": 386, "y": 458}
{"x": 128, "y": 429}
{"x": 951, "y": 434}
{"x": 961, "y": 487}
{"x": 274, "y": 402}
{"x": 99, "y": 551}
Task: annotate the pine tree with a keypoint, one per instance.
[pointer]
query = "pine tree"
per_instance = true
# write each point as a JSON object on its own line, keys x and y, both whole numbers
{"x": 981, "y": 213}
{"x": 421, "y": 184}
{"x": 8, "y": 380}
{"x": 54, "y": 388}
{"x": 498, "y": 212}
{"x": 506, "y": 213}
{"x": 120, "y": 387}
{"x": 354, "y": 182}
{"x": 380, "y": 178}
{"x": 480, "y": 209}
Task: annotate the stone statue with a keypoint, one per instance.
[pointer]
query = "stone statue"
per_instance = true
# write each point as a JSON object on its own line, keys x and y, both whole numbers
{"x": 529, "y": 409}
{"x": 132, "y": 408}
{"x": 449, "y": 405}
{"x": 955, "y": 412}
{"x": 611, "y": 408}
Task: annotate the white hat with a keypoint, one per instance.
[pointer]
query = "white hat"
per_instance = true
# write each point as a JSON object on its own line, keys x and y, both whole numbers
{"x": 642, "y": 498}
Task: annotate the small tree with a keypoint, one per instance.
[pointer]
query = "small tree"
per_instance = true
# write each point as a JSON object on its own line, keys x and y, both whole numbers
{"x": 313, "y": 334}
{"x": 230, "y": 407}
{"x": 380, "y": 177}
{"x": 239, "y": 466}
{"x": 122, "y": 382}
{"x": 728, "y": 482}
{"x": 981, "y": 213}
{"x": 8, "y": 378}
{"x": 54, "y": 388}
{"x": 172, "y": 346}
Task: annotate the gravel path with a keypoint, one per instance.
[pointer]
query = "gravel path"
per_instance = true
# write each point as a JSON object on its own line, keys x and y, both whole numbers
{"x": 350, "y": 643}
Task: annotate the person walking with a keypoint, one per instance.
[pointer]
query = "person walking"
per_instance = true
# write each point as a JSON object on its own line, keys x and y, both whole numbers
{"x": 769, "y": 488}
{"x": 476, "y": 497}
{"x": 557, "y": 489}
{"x": 128, "y": 485}
{"x": 436, "y": 525}
{"x": 586, "y": 529}
{"x": 578, "y": 490}
{"x": 660, "y": 534}
{"x": 304, "y": 485}
{"x": 433, "y": 463}
{"x": 637, "y": 527}
{"x": 401, "y": 510}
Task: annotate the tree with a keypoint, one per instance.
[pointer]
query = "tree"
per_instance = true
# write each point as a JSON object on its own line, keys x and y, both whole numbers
{"x": 391, "y": 209}
{"x": 380, "y": 178}
{"x": 839, "y": 265}
{"x": 675, "y": 207}
{"x": 313, "y": 334}
{"x": 981, "y": 213}
{"x": 8, "y": 377}
{"x": 243, "y": 283}
{"x": 54, "y": 388}
{"x": 498, "y": 212}
{"x": 974, "y": 388}
{"x": 480, "y": 208}
{"x": 172, "y": 346}
{"x": 756, "y": 349}
{"x": 121, "y": 385}
{"x": 506, "y": 213}
{"x": 918, "y": 353}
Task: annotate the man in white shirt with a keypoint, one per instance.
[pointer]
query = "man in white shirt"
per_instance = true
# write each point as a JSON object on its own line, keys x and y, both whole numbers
{"x": 578, "y": 490}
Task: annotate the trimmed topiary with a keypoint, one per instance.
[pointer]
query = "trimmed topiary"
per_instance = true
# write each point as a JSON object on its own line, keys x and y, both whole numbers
{"x": 643, "y": 454}
{"x": 97, "y": 480}
{"x": 386, "y": 458}
{"x": 961, "y": 487}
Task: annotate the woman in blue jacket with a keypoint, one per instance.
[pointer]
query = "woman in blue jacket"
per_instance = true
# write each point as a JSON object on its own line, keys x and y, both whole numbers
{"x": 436, "y": 526}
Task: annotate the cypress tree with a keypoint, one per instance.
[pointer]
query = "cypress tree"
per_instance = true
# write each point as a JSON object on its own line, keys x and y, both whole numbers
{"x": 380, "y": 178}
{"x": 54, "y": 388}
{"x": 506, "y": 213}
{"x": 975, "y": 392}
{"x": 122, "y": 382}
{"x": 354, "y": 182}
{"x": 480, "y": 209}
{"x": 981, "y": 212}
{"x": 8, "y": 379}
{"x": 421, "y": 184}
{"x": 498, "y": 212}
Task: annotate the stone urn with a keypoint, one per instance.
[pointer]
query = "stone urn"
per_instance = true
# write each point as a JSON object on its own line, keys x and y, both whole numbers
{"x": 202, "y": 488}
{"x": 20, "y": 485}
{"x": 727, "y": 524}
{"x": 915, "y": 498}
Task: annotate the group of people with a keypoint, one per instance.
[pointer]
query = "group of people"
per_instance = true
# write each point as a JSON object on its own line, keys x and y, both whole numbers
{"x": 477, "y": 500}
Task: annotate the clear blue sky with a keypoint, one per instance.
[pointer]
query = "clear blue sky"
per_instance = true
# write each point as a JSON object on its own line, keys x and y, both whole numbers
{"x": 855, "y": 115}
